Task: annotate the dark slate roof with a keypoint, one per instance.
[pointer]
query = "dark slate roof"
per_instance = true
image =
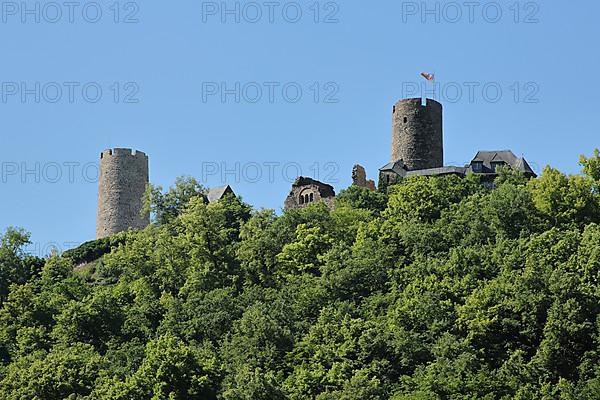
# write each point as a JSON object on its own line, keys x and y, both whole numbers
{"x": 505, "y": 156}
{"x": 485, "y": 157}
{"x": 216, "y": 194}
{"x": 438, "y": 171}
{"x": 324, "y": 189}
{"x": 395, "y": 166}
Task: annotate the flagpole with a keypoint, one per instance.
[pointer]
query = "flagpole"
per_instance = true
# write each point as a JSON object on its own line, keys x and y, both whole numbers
{"x": 434, "y": 96}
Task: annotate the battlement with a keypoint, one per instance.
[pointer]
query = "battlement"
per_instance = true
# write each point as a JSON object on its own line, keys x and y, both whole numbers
{"x": 417, "y": 133}
{"x": 121, "y": 187}
{"x": 417, "y": 102}
{"x": 120, "y": 152}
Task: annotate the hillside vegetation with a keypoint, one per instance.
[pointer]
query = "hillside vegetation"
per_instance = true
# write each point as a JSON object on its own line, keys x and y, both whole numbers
{"x": 439, "y": 288}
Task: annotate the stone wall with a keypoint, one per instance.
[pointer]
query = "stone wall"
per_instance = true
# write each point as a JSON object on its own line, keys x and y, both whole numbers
{"x": 417, "y": 136}
{"x": 122, "y": 183}
{"x": 307, "y": 191}
{"x": 359, "y": 178}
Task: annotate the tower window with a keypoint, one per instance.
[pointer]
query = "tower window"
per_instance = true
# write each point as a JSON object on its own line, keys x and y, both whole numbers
{"x": 405, "y": 119}
{"x": 394, "y": 110}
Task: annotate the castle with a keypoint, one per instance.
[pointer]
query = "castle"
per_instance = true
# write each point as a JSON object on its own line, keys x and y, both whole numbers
{"x": 417, "y": 150}
{"x": 121, "y": 187}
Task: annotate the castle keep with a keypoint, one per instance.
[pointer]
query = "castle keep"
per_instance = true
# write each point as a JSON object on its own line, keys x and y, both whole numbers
{"x": 123, "y": 180}
{"x": 417, "y": 137}
{"x": 121, "y": 188}
{"x": 417, "y": 150}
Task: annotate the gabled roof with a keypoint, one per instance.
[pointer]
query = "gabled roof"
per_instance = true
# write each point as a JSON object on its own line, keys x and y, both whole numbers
{"x": 524, "y": 167}
{"x": 498, "y": 157}
{"x": 506, "y": 156}
{"x": 487, "y": 158}
{"x": 397, "y": 166}
{"x": 216, "y": 194}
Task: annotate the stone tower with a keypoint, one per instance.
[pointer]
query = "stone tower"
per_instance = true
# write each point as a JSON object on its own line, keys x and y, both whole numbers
{"x": 123, "y": 180}
{"x": 417, "y": 137}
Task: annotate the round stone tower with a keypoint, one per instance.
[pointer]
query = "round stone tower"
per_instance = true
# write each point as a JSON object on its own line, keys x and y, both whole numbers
{"x": 123, "y": 180}
{"x": 417, "y": 137}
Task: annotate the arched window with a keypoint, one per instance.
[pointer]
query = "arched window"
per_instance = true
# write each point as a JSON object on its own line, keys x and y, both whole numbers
{"x": 306, "y": 198}
{"x": 312, "y": 197}
{"x": 301, "y": 199}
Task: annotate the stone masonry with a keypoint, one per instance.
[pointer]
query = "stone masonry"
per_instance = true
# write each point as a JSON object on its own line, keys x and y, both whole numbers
{"x": 307, "y": 191}
{"x": 359, "y": 178}
{"x": 123, "y": 180}
{"x": 417, "y": 137}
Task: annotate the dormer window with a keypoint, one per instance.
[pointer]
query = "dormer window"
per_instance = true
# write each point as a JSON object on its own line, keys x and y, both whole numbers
{"x": 477, "y": 166}
{"x": 496, "y": 165}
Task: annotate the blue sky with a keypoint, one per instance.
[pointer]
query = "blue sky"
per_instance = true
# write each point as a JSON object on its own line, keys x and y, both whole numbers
{"x": 168, "y": 65}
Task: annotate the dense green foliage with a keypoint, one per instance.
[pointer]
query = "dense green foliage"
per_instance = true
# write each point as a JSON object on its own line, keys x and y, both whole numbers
{"x": 438, "y": 289}
{"x": 165, "y": 206}
{"x": 93, "y": 250}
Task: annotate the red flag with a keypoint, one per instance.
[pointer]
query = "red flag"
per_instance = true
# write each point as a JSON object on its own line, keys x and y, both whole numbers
{"x": 429, "y": 77}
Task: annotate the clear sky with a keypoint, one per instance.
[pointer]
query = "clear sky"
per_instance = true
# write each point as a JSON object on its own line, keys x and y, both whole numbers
{"x": 162, "y": 81}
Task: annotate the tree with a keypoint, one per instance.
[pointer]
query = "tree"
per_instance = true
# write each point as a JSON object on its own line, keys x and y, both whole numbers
{"x": 591, "y": 166}
{"x": 362, "y": 198}
{"x": 16, "y": 267}
{"x": 566, "y": 201}
{"x": 171, "y": 370}
{"x": 167, "y": 206}
{"x": 423, "y": 199}
{"x": 66, "y": 372}
{"x": 448, "y": 289}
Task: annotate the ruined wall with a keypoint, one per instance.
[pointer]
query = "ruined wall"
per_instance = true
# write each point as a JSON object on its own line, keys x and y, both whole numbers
{"x": 417, "y": 136}
{"x": 307, "y": 191}
{"x": 359, "y": 178}
{"x": 123, "y": 180}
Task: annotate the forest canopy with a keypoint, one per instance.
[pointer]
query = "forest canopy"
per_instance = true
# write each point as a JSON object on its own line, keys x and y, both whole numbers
{"x": 437, "y": 288}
